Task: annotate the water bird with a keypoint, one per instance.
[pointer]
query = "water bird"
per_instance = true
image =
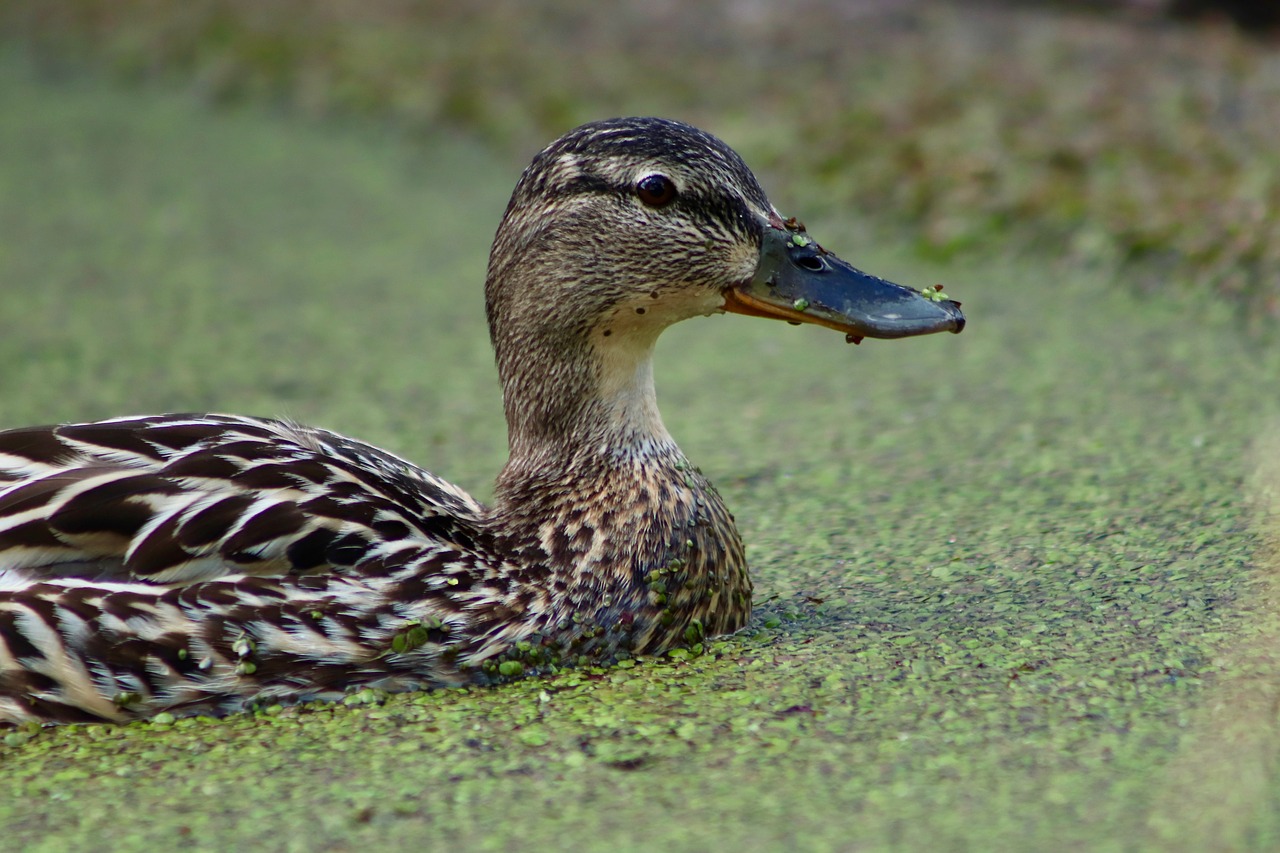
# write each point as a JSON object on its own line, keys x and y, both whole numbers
{"x": 208, "y": 563}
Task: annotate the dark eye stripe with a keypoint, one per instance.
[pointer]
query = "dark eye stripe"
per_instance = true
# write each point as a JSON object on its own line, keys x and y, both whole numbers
{"x": 727, "y": 211}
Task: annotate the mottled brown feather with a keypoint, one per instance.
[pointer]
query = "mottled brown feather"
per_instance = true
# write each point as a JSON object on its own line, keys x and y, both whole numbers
{"x": 602, "y": 541}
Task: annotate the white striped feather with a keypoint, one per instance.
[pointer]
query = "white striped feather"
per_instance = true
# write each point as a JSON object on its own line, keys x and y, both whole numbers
{"x": 217, "y": 460}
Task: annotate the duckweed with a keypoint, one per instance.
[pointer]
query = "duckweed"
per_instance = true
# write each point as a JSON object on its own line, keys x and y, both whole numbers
{"x": 511, "y": 668}
{"x": 934, "y": 293}
{"x": 1073, "y": 681}
{"x": 414, "y": 635}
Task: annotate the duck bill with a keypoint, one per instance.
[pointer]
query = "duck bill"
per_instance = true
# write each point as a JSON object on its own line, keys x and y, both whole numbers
{"x": 800, "y": 282}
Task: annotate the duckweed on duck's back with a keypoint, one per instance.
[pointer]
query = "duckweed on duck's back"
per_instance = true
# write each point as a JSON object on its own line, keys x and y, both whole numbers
{"x": 196, "y": 563}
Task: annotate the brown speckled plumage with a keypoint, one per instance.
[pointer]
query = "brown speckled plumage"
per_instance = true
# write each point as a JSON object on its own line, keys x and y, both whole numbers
{"x": 201, "y": 563}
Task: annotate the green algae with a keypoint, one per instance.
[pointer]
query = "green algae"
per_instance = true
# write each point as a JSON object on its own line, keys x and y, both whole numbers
{"x": 992, "y": 596}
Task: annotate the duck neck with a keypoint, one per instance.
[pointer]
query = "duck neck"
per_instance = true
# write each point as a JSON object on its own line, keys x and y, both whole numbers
{"x": 581, "y": 405}
{"x": 624, "y": 533}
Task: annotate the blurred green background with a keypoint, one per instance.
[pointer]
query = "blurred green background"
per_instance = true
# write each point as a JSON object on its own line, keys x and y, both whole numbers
{"x": 1101, "y": 133}
{"x": 1015, "y": 589}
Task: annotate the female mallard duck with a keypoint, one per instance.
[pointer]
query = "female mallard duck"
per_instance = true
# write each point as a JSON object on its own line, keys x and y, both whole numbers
{"x": 200, "y": 563}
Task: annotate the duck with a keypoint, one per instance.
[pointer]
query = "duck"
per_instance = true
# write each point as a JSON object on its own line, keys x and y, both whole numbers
{"x": 210, "y": 563}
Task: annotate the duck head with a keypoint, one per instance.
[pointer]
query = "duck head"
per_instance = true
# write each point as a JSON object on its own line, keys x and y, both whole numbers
{"x": 622, "y": 227}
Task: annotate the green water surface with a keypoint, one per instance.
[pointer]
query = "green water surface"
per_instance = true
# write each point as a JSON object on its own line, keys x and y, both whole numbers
{"x": 1011, "y": 589}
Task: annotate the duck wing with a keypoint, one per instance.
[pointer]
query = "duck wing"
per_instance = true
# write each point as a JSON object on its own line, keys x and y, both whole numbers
{"x": 179, "y": 499}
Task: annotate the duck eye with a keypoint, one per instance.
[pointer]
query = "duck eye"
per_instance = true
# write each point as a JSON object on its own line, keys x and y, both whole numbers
{"x": 656, "y": 190}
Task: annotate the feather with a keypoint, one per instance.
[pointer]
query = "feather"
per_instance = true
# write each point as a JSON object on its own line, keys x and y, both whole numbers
{"x": 202, "y": 563}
